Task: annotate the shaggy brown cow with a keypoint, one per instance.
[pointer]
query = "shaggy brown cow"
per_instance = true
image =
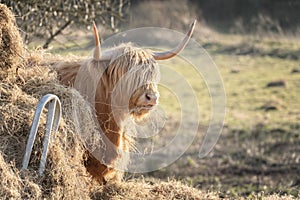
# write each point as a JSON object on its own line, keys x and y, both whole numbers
{"x": 121, "y": 83}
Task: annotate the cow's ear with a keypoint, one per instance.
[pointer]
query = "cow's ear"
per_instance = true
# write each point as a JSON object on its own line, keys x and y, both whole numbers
{"x": 97, "y": 50}
{"x": 173, "y": 52}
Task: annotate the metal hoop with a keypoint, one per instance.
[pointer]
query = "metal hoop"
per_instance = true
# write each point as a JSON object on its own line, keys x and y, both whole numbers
{"x": 53, "y": 119}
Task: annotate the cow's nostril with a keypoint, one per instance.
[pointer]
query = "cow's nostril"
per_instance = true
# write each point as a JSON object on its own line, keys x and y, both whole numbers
{"x": 148, "y": 97}
{"x": 151, "y": 98}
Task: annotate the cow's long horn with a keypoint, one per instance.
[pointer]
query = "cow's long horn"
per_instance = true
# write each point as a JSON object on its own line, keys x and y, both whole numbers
{"x": 97, "y": 49}
{"x": 173, "y": 52}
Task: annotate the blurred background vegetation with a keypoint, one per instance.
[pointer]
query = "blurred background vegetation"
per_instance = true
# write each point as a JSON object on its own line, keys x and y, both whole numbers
{"x": 256, "y": 46}
{"x": 251, "y": 16}
{"x": 48, "y": 19}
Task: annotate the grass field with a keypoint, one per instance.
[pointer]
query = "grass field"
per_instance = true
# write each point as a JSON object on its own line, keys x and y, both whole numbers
{"x": 258, "y": 152}
{"x": 259, "y": 147}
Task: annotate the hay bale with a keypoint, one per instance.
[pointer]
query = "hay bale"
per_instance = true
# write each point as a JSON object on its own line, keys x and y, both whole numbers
{"x": 13, "y": 186}
{"x": 65, "y": 175}
{"x": 141, "y": 189}
{"x": 11, "y": 44}
{"x": 9, "y": 181}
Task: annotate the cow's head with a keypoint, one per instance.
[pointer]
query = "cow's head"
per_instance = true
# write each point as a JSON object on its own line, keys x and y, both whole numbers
{"x": 132, "y": 74}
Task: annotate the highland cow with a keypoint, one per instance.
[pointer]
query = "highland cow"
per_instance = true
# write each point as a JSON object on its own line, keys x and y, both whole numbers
{"x": 120, "y": 83}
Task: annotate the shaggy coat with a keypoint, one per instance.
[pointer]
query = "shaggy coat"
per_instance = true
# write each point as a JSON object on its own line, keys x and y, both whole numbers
{"x": 124, "y": 79}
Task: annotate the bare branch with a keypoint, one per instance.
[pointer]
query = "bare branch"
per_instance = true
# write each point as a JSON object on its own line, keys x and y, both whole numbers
{"x": 48, "y": 18}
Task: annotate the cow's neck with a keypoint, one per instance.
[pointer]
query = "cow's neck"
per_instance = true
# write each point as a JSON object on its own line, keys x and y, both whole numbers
{"x": 110, "y": 121}
{"x": 112, "y": 126}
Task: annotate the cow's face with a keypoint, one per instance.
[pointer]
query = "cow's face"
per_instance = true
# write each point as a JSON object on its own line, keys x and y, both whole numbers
{"x": 133, "y": 79}
{"x": 143, "y": 100}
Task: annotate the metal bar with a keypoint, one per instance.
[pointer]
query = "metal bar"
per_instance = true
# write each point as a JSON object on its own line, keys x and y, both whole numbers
{"x": 49, "y": 126}
{"x": 53, "y": 119}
